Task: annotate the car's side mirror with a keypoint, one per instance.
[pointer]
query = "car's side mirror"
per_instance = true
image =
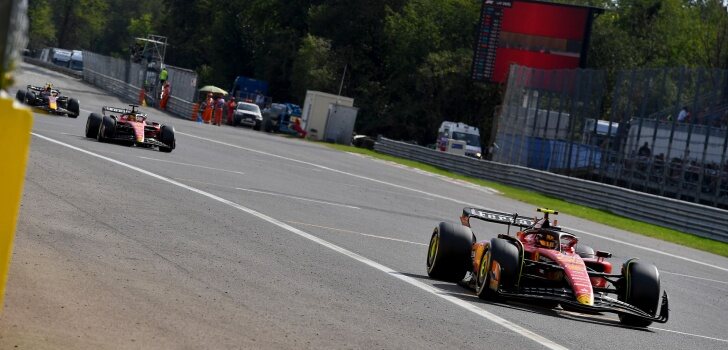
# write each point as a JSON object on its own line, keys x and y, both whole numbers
{"x": 601, "y": 254}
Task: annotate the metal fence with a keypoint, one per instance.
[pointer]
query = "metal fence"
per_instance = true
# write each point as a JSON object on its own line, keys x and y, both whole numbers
{"x": 183, "y": 81}
{"x": 660, "y": 131}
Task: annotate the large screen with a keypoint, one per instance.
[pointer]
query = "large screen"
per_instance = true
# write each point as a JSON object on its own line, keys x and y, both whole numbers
{"x": 530, "y": 33}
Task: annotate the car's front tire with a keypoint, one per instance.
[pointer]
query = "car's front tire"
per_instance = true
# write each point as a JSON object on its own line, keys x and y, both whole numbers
{"x": 640, "y": 287}
{"x": 73, "y": 107}
{"x": 166, "y": 136}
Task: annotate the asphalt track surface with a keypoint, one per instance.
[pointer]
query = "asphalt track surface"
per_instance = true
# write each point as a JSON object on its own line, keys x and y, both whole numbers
{"x": 241, "y": 239}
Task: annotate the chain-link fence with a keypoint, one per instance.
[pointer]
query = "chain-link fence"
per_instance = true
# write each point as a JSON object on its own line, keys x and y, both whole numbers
{"x": 183, "y": 81}
{"x": 662, "y": 131}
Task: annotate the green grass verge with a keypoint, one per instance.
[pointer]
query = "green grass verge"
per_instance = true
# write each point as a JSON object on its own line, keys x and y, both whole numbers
{"x": 541, "y": 200}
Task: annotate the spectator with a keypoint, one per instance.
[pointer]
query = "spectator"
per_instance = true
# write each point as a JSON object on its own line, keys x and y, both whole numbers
{"x": 219, "y": 106}
{"x": 644, "y": 151}
{"x": 683, "y": 115}
{"x": 230, "y": 110}
{"x": 166, "y": 91}
{"x": 206, "y": 107}
{"x": 163, "y": 76}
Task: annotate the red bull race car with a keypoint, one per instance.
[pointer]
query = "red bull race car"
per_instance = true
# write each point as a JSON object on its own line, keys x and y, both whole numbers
{"x": 130, "y": 127}
{"x": 49, "y": 100}
{"x": 546, "y": 266}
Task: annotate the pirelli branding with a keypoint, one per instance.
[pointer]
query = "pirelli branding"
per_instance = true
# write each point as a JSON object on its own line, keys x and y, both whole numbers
{"x": 503, "y": 218}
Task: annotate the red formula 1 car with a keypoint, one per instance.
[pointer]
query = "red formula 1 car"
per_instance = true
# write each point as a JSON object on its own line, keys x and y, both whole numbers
{"x": 544, "y": 265}
{"x": 130, "y": 127}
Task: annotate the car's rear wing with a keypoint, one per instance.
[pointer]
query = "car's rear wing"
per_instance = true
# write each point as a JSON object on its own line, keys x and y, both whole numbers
{"x": 120, "y": 111}
{"x": 495, "y": 217}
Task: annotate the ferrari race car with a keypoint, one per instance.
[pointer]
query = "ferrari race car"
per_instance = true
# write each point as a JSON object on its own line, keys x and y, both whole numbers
{"x": 49, "y": 100}
{"x": 130, "y": 127}
{"x": 544, "y": 265}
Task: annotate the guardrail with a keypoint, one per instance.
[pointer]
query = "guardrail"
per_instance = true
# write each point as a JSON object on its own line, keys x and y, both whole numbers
{"x": 692, "y": 218}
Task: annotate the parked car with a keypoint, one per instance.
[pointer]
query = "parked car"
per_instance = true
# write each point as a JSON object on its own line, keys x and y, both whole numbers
{"x": 248, "y": 114}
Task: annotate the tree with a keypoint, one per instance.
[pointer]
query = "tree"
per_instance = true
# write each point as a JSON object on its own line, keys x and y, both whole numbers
{"x": 41, "y": 31}
{"x": 79, "y": 23}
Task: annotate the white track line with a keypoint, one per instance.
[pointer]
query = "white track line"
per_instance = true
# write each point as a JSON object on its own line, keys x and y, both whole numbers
{"x": 193, "y": 165}
{"x": 448, "y": 199}
{"x": 298, "y": 198}
{"x": 423, "y": 286}
{"x": 695, "y": 277}
{"x": 355, "y": 232}
{"x": 692, "y": 335}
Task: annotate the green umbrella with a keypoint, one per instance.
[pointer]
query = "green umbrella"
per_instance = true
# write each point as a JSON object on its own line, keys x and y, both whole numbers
{"x": 213, "y": 89}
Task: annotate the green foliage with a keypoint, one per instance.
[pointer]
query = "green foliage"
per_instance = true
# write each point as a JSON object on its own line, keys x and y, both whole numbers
{"x": 140, "y": 27}
{"x": 41, "y": 31}
{"x": 314, "y": 67}
{"x": 408, "y": 61}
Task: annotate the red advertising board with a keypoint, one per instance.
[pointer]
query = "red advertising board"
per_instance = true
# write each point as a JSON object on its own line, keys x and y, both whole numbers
{"x": 530, "y": 33}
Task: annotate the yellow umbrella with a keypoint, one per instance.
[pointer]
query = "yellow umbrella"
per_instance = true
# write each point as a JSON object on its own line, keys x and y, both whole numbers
{"x": 213, "y": 89}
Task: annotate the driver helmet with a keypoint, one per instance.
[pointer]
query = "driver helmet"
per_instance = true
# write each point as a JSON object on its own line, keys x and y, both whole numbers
{"x": 48, "y": 87}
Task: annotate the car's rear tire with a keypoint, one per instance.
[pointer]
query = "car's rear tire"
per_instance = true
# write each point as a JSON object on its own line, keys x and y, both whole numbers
{"x": 585, "y": 251}
{"x": 640, "y": 287}
{"x": 107, "y": 129}
{"x": 92, "y": 125}
{"x": 448, "y": 255}
{"x": 502, "y": 260}
{"x": 73, "y": 107}
{"x": 166, "y": 136}
{"x": 21, "y": 96}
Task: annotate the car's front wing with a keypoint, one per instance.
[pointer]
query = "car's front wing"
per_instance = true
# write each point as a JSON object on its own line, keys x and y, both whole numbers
{"x": 602, "y": 302}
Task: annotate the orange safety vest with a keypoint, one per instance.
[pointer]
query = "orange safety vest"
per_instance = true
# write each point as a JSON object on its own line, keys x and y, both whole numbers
{"x": 207, "y": 113}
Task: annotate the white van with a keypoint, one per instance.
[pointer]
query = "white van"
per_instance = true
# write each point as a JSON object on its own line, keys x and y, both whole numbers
{"x": 60, "y": 57}
{"x": 76, "y": 60}
{"x": 452, "y": 135}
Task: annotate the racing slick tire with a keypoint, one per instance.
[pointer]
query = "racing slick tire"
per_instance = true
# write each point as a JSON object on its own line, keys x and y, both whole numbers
{"x": 585, "y": 251}
{"x": 639, "y": 287}
{"x": 166, "y": 136}
{"x": 20, "y": 96}
{"x": 448, "y": 255}
{"x": 73, "y": 107}
{"x": 107, "y": 129}
{"x": 502, "y": 262}
{"x": 92, "y": 125}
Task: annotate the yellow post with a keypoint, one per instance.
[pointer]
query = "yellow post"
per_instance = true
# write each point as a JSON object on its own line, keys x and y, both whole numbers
{"x": 15, "y": 133}
{"x": 15, "y": 140}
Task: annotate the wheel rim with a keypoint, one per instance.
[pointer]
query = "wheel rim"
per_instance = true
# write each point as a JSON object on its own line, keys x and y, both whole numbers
{"x": 483, "y": 271}
{"x": 432, "y": 252}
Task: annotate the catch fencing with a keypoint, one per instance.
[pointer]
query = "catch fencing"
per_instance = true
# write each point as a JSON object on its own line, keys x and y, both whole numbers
{"x": 683, "y": 216}
{"x": 125, "y": 79}
{"x": 630, "y": 133}
{"x": 183, "y": 81}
